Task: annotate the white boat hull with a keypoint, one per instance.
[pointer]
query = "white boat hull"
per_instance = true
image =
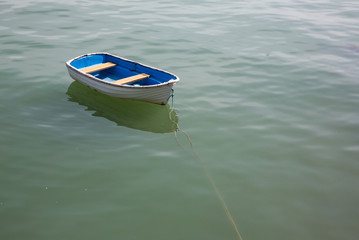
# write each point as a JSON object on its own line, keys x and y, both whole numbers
{"x": 159, "y": 93}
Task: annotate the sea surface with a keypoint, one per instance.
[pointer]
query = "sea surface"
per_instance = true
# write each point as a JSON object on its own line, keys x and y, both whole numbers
{"x": 267, "y": 110}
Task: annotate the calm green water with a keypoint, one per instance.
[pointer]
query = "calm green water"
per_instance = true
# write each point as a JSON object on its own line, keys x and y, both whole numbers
{"x": 269, "y": 95}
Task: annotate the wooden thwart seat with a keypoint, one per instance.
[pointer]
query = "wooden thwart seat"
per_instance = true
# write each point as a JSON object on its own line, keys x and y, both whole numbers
{"x": 98, "y": 67}
{"x": 132, "y": 79}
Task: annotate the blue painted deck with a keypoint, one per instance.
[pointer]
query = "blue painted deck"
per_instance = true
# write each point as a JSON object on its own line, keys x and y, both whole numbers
{"x": 123, "y": 69}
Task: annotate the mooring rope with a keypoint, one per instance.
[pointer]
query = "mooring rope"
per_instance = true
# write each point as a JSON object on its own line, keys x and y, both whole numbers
{"x": 207, "y": 172}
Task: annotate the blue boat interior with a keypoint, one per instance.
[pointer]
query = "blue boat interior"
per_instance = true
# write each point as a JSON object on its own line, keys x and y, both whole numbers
{"x": 123, "y": 69}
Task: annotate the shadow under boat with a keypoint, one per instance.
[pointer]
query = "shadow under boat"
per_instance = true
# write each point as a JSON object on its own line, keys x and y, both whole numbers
{"x": 129, "y": 113}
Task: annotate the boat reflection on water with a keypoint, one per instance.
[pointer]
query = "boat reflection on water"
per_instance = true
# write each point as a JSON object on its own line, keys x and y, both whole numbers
{"x": 129, "y": 113}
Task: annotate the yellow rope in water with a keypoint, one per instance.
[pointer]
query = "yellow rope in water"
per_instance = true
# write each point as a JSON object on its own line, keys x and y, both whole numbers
{"x": 209, "y": 175}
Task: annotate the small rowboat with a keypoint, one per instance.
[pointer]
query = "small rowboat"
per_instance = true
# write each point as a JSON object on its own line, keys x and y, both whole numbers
{"x": 122, "y": 78}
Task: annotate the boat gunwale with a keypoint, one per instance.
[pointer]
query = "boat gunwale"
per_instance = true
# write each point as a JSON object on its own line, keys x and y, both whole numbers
{"x": 171, "y": 81}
